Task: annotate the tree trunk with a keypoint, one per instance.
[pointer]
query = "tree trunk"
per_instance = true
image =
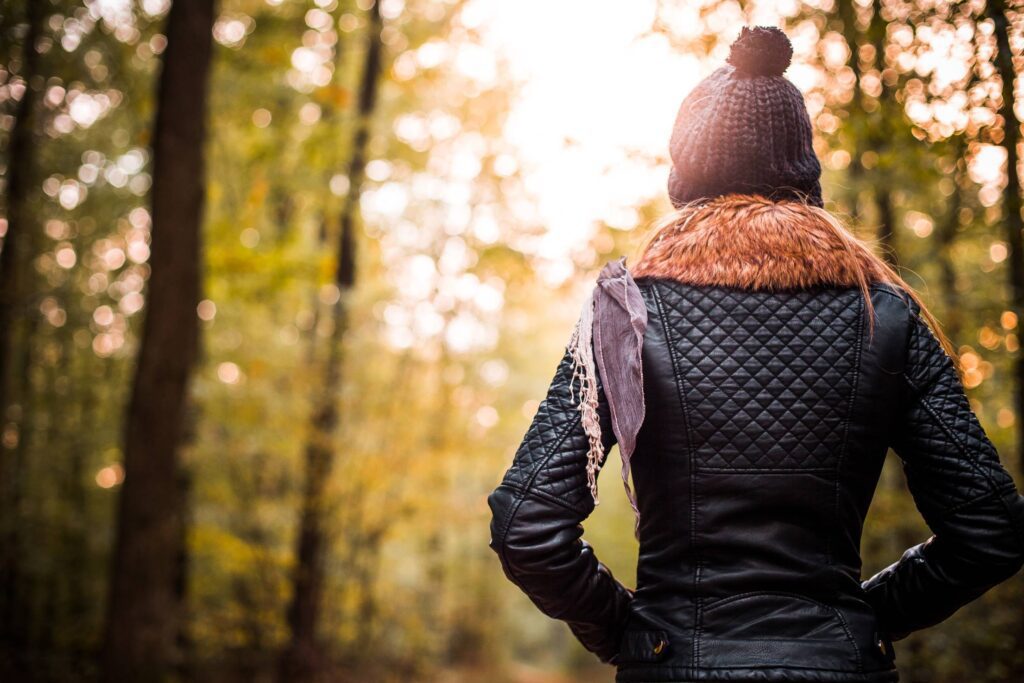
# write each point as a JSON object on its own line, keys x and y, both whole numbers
{"x": 996, "y": 10}
{"x": 144, "y": 599}
{"x": 19, "y": 592}
{"x": 945, "y": 236}
{"x": 880, "y": 137}
{"x": 14, "y": 255}
{"x": 302, "y": 659}
{"x": 886, "y": 221}
{"x": 875, "y": 139}
{"x": 848, "y": 17}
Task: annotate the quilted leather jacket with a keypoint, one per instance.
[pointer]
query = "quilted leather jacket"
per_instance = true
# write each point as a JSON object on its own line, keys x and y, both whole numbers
{"x": 769, "y": 415}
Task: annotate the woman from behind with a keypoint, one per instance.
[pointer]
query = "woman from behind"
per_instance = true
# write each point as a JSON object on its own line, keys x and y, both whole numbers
{"x": 754, "y": 368}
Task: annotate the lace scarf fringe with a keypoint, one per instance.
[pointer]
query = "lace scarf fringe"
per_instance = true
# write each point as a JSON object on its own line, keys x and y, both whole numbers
{"x": 584, "y": 369}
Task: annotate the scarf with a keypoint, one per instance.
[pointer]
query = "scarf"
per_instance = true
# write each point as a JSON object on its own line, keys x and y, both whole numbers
{"x": 608, "y": 338}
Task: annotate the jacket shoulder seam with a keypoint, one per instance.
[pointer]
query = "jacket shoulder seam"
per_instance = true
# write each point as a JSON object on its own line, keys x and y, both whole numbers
{"x": 998, "y": 491}
{"x": 546, "y": 497}
{"x": 528, "y": 486}
{"x": 968, "y": 456}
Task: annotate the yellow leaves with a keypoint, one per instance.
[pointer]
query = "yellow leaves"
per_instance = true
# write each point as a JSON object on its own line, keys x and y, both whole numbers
{"x": 233, "y": 553}
{"x": 333, "y": 96}
{"x": 257, "y": 368}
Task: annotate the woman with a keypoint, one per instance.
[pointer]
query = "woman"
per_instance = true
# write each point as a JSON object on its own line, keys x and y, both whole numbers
{"x": 754, "y": 369}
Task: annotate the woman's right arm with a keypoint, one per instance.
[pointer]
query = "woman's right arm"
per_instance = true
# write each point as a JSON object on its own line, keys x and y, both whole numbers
{"x": 964, "y": 493}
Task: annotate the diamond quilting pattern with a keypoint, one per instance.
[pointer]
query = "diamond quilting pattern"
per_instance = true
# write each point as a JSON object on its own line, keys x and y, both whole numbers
{"x": 767, "y": 377}
{"x": 949, "y": 459}
{"x": 547, "y": 430}
{"x": 552, "y": 457}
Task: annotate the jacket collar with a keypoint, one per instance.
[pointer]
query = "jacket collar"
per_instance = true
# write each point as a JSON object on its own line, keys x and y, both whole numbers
{"x": 751, "y": 242}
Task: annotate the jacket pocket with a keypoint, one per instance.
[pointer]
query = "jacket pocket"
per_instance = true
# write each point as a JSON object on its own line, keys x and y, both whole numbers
{"x": 643, "y": 646}
{"x": 754, "y": 629}
{"x": 884, "y": 644}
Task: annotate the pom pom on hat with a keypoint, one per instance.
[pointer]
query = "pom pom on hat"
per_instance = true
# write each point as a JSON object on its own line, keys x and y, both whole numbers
{"x": 761, "y": 51}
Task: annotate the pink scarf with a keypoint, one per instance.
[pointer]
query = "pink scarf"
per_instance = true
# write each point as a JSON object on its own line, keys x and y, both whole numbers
{"x": 611, "y": 330}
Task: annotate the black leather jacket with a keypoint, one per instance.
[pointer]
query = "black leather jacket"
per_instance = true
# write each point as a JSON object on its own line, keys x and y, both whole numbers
{"x": 768, "y": 419}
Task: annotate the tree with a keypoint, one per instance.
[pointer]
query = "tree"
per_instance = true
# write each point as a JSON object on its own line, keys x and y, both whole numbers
{"x": 996, "y": 11}
{"x": 144, "y": 597}
{"x": 301, "y": 657}
{"x": 14, "y": 255}
{"x": 945, "y": 238}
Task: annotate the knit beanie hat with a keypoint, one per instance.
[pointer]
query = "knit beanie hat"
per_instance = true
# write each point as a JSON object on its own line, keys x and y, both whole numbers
{"x": 745, "y": 128}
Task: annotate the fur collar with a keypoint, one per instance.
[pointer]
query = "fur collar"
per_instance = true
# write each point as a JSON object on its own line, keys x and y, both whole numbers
{"x": 751, "y": 242}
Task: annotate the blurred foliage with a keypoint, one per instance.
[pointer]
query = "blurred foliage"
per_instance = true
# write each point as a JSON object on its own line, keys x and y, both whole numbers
{"x": 456, "y": 327}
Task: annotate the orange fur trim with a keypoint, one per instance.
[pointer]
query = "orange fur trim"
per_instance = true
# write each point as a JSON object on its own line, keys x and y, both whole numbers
{"x": 752, "y": 242}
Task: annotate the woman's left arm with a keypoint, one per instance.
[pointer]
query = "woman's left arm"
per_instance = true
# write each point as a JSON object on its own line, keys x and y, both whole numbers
{"x": 538, "y": 510}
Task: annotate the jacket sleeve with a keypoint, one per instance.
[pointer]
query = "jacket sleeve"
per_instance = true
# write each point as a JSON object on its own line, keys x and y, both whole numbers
{"x": 537, "y": 515}
{"x": 965, "y": 495}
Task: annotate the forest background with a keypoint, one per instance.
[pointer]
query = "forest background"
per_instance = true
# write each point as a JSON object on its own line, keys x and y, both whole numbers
{"x": 283, "y": 281}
